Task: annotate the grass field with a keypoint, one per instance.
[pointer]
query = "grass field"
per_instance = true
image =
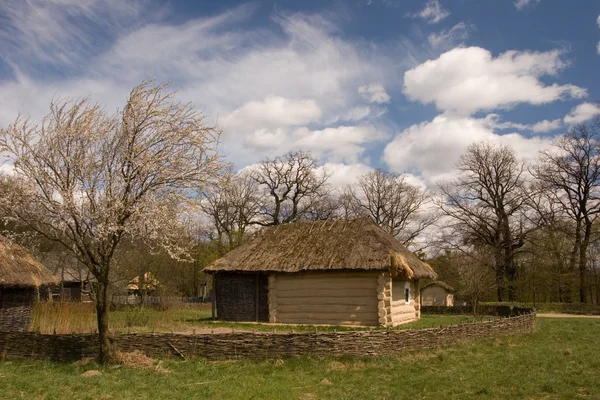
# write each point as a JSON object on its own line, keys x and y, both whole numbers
{"x": 558, "y": 361}
{"x": 80, "y": 318}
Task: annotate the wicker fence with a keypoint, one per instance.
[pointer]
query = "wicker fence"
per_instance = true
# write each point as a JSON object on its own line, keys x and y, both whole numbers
{"x": 260, "y": 345}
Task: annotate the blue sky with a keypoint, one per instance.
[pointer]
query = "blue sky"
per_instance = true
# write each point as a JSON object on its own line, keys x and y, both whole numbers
{"x": 400, "y": 85}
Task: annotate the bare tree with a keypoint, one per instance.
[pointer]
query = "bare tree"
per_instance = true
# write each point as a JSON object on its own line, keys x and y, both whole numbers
{"x": 392, "y": 203}
{"x": 571, "y": 174}
{"x": 485, "y": 204}
{"x": 290, "y": 186}
{"x": 233, "y": 205}
{"x": 90, "y": 179}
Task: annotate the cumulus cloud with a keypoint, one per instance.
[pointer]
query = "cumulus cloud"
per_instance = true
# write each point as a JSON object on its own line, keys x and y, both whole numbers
{"x": 272, "y": 112}
{"x": 342, "y": 143}
{"x": 342, "y": 175}
{"x": 432, "y": 13}
{"x": 582, "y": 113}
{"x": 469, "y": 79}
{"x": 521, "y": 4}
{"x": 374, "y": 93}
{"x": 546, "y": 126}
{"x": 431, "y": 149}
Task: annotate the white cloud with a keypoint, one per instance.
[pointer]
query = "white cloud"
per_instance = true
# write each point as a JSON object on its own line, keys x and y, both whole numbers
{"x": 342, "y": 175}
{"x": 581, "y": 113}
{"x": 432, "y": 13}
{"x": 467, "y": 80}
{"x": 521, "y": 4}
{"x": 546, "y": 126}
{"x": 261, "y": 85}
{"x": 431, "y": 149}
{"x": 374, "y": 93}
{"x": 456, "y": 34}
{"x": 272, "y": 112}
{"x": 492, "y": 121}
{"x": 342, "y": 143}
{"x": 57, "y": 32}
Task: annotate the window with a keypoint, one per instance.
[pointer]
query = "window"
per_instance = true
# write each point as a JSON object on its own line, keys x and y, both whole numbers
{"x": 407, "y": 295}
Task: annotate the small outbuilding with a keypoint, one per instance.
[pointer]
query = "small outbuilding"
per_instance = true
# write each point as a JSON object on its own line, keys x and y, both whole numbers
{"x": 324, "y": 272}
{"x": 21, "y": 277}
{"x": 437, "y": 293}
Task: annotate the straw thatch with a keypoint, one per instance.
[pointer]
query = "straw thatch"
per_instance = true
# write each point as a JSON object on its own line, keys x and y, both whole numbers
{"x": 324, "y": 246}
{"x": 441, "y": 284}
{"x": 150, "y": 283}
{"x": 18, "y": 268}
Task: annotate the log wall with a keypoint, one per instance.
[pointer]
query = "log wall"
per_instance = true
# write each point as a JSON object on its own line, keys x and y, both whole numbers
{"x": 333, "y": 298}
{"x": 66, "y": 348}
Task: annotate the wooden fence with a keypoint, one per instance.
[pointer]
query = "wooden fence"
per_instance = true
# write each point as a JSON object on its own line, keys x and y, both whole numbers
{"x": 260, "y": 345}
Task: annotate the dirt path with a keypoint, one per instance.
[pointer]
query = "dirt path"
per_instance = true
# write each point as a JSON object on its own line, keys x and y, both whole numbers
{"x": 567, "y": 316}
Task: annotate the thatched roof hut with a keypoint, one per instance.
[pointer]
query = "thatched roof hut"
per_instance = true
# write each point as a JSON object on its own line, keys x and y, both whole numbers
{"x": 19, "y": 268}
{"x": 20, "y": 275}
{"x": 355, "y": 262}
{"x": 437, "y": 293}
{"x": 323, "y": 246}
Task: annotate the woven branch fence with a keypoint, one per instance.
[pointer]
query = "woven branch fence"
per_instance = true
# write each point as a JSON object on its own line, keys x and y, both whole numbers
{"x": 261, "y": 345}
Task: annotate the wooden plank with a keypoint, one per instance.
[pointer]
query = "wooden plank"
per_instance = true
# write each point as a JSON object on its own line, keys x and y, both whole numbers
{"x": 331, "y": 322}
{"x": 318, "y": 309}
{"x": 326, "y": 301}
{"x": 329, "y": 275}
{"x": 322, "y": 284}
{"x": 329, "y": 316}
{"x": 325, "y": 293}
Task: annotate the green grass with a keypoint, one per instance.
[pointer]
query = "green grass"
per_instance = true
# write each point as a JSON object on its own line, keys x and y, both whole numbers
{"x": 558, "y": 361}
{"x": 556, "y": 308}
{"x": 80, "y": 318}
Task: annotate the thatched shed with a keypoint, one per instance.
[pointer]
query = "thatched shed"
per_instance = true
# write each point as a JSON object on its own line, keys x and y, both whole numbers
{"x": 324, "y": 272}
{"x": 20, "y": 276}
{"x": 437, "y": 293}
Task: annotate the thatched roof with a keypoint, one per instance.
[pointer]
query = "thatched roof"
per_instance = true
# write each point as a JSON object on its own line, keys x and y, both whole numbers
{"x": 441, "y": 284}
{"x": 149, "y": 283}
{"x": 19, "y": 268}
{"x": 323, "y": 246}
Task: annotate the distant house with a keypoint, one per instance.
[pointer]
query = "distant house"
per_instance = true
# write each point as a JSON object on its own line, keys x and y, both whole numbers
{"x": 21, "y": 277}
{"x": 147, "y": 286}
{"x": 437, "y": 293}
{"x": 74, "y": 279}
{"x": 324, "y": 272}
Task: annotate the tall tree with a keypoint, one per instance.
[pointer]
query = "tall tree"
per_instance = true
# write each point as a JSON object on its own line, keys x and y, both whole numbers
{"x": 392, "y": 203}
{"x": 291, "y": 187}
{"x": 233, "y": 205}
{"x": 485, "y": 205}
{"x": 570, "y": 171}
{"x": 90, "y": 179}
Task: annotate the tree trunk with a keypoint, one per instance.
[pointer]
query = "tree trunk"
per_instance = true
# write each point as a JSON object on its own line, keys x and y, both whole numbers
{"x": 499, "y": 270}
{"x": 583, "y": 258}
{"x": 107, "y": 349}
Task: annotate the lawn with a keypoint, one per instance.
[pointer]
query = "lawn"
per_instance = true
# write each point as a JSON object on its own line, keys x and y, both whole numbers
{"x": 80, "y": 318}
{"x": 558, "y": 361}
